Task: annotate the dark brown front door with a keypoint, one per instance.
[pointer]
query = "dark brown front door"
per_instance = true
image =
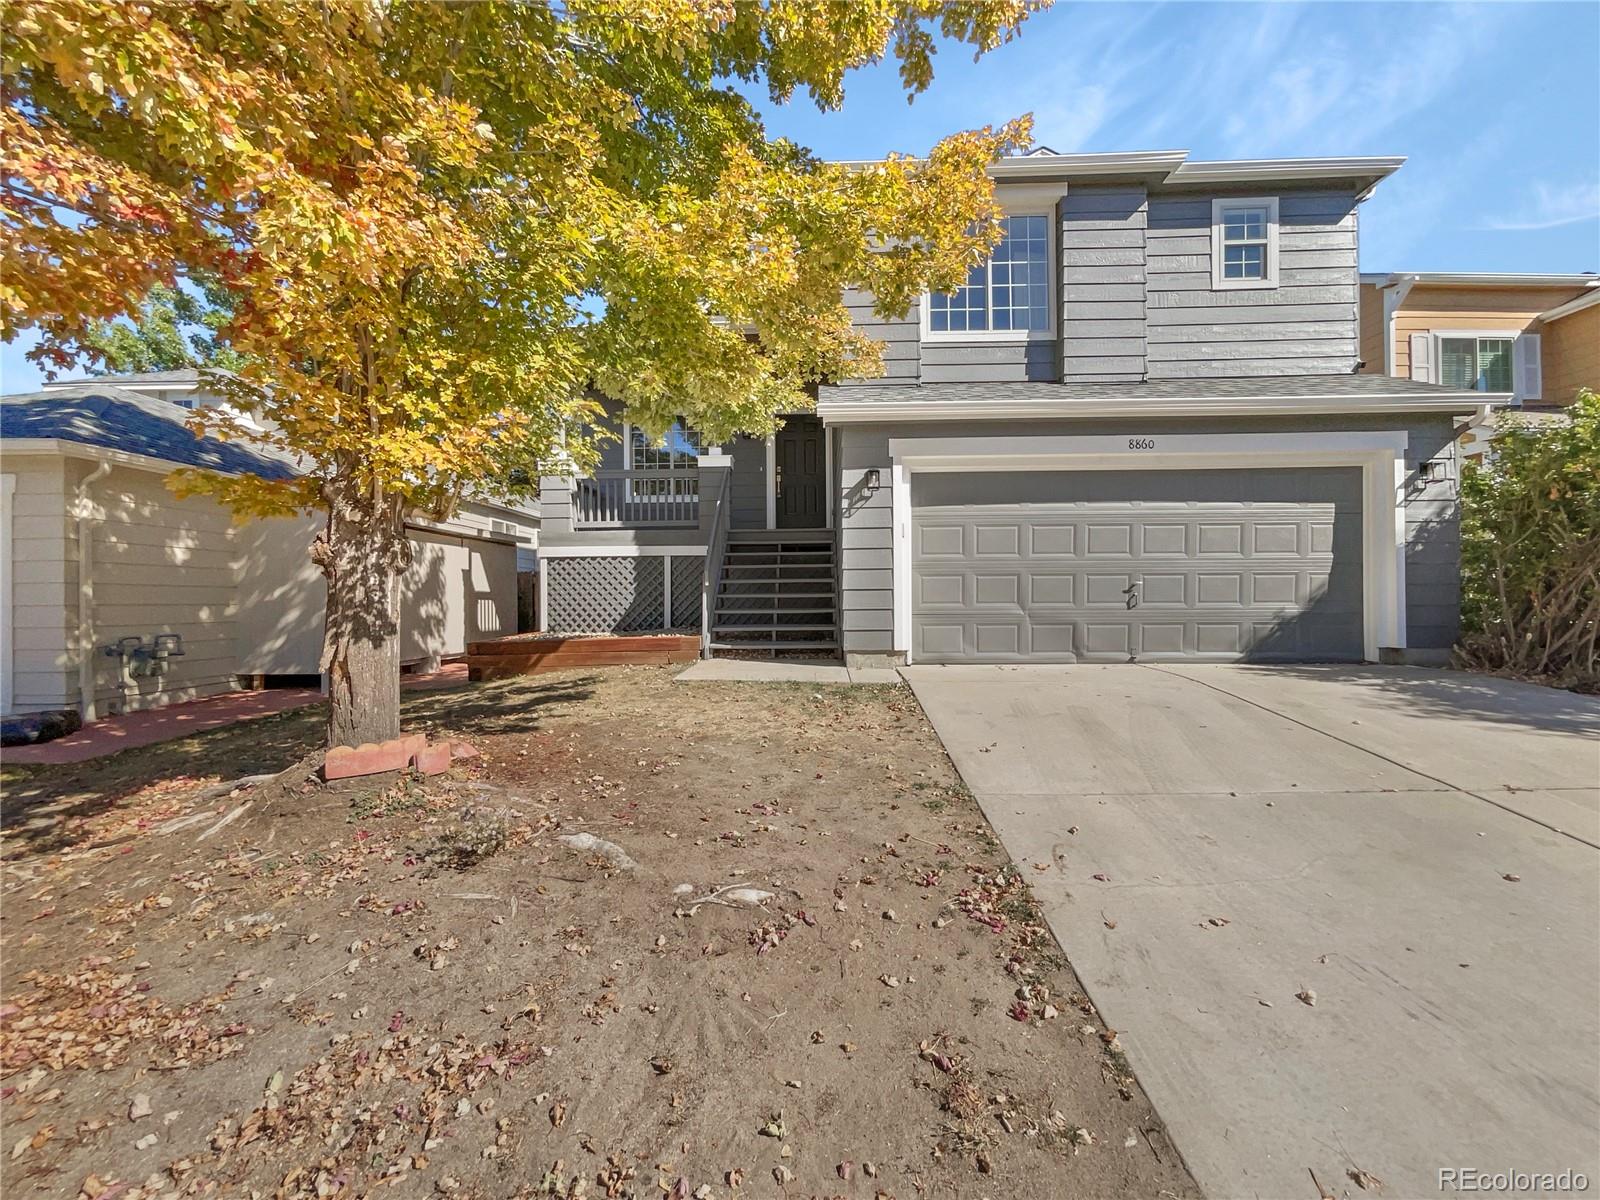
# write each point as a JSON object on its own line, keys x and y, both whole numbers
{"x": 802, "y": 474}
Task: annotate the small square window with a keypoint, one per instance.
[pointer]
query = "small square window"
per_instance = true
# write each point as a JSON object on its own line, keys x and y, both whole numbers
{"x": 1244, "y": 243}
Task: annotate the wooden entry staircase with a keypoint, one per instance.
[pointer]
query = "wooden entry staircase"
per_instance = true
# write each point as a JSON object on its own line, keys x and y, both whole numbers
{"x": 778, "y": 592}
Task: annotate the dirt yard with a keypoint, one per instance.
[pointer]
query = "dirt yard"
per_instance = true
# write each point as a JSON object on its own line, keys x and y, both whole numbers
{"x": 416, "y": 989}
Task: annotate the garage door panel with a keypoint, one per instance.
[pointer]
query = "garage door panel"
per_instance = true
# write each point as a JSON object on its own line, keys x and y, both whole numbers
{"x": 939, "y": 639}
{"x": 1047, "y": 589}
{"x": 1047, "y": 540}
{"x": 1261, "y": 564}
{"x": 1107, "y": 589}
{"x": 1220, "y": 539}
{"x": 1164, "y": 639}
{"x": 1163, "y": 589}
{"x": 1052, "y": 641}
{"x": 1275, "y": 590}
{"x": 939, "y": 589}
{"x": 940, "y": 540}
{"x": 1159, "y": 538}
{"x": 1214, "y": 638}
{"x": 1104, "y": 539}
{"x": 989, "y": 589}
{"x": 1103, "y": 638}
{"x": 997, "y": 541}
{"x": 997, "y": 639}
{"x": 1219, "y": 588}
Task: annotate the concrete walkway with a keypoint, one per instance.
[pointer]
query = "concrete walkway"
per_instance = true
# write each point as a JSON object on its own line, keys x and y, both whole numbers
{"x": 1217, "y": 840}
{"x": 741, "y": 670}
{"x": 147, "y": 727}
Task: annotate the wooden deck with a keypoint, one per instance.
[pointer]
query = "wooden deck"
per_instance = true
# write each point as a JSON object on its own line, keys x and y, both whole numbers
{"x": 531, "y": 653}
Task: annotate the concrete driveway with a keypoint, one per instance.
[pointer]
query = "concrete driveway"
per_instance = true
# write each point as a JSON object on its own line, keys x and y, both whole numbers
{"x": 1346, "y": 831}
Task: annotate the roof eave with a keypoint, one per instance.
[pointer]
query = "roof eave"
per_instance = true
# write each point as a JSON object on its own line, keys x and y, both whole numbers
{"x": 1173, "y": 168}
{"x": 1589, "y": 299}
{"x": 1485, "y": 279}
{"x": 857, "y": 412}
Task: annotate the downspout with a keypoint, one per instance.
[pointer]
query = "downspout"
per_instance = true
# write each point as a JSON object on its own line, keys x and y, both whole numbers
{"x": 86, "y": 590}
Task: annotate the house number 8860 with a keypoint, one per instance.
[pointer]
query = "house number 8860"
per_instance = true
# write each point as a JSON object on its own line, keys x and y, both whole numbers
{"x": 1144, "y": 443}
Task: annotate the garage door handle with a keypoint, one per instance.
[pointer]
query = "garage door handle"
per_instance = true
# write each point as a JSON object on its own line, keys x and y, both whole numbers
{"x": 1132, "y": 593}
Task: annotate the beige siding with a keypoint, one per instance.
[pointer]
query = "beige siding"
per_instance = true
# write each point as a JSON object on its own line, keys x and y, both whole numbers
{"x": 246, "y": 599}
{"x": 457, "y": 591}
{"x": 160, "y": 565}
{"x": 282, "y": 597}
{"x": 1370, "y": 301}
{"x": 1570, "y": 352}
{"x": 42, "y": 580}
{"x": 1510, "y": 310}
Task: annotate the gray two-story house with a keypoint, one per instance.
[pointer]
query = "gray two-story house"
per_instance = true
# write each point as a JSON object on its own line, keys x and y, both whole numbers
{"x": 1137, "y": 432}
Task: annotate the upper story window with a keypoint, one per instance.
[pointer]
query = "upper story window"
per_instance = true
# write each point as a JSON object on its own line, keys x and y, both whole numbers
{"x": 1244, "y": 243}
{"x": 1476, "y": 364}
{"x": 1480, "y": 360}
{"x": 1007, "y": 297}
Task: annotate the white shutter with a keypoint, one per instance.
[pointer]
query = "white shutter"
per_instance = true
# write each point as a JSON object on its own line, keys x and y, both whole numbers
{"x": 1527, "y": 371}
{"x": 1422, "y": 357}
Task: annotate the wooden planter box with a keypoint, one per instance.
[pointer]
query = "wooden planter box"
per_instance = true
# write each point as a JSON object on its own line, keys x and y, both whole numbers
{"x": 531, "y": 654}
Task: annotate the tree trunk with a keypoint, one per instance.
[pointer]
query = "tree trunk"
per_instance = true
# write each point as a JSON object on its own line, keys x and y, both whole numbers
{"x": 362, "y": 552}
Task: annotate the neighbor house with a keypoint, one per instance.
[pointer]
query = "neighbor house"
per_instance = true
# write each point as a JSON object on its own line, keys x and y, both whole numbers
{"x": 1535, "y": 336}
{"x": 118, "y": 595}
{"x": 1139, "y": 431}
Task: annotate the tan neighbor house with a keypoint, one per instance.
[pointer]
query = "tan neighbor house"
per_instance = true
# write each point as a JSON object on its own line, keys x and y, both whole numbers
{"x": 1536, "y": 336}
{"x": 118, "y": 595}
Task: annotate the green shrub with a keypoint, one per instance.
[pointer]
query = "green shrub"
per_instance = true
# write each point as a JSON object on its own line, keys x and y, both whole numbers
{"x": 1530, "y": 549}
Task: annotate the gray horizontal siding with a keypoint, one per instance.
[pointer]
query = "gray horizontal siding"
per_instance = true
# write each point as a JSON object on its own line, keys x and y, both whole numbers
{"x": 897, "y": 339}
{"x": 866, "y": 561}
{"x": 1103, "y": 253}
{"x": 988, "y": 362}
{"x": 1305, "y": 326}
{"x": 748, "y": 485}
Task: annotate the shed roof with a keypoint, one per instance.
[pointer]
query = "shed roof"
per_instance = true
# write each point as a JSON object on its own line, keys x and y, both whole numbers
{"x": 113, "y": 418}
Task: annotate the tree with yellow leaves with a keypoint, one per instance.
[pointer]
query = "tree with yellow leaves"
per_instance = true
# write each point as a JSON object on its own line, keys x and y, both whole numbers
{"x": 440, "y": 226}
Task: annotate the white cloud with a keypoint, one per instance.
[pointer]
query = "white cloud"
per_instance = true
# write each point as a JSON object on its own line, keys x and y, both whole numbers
{"x": 1243, "y": 80}
{"x": 1550, "y": 206}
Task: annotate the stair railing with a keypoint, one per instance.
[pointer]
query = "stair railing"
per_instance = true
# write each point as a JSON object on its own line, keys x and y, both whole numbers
{"x": 716, "y": 551}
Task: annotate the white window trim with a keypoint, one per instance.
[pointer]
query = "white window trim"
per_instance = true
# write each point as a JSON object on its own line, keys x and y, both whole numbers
{"x": 1436, "y": 336}
{"x": 627, "y": 450}
{"x": 1009, "y": 336}
{"x": 1220, "y": 206}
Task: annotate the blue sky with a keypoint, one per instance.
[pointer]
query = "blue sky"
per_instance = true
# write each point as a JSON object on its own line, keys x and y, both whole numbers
{"x": 1496, "y": 106}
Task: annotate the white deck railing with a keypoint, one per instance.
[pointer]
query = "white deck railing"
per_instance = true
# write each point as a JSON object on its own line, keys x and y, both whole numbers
{"x": 636, "y": 499}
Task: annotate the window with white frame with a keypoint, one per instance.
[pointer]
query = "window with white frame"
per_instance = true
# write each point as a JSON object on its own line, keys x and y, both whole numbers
{"x": 1007, "y": 296}
{"x": 679, "y": 449}
{"x": 1244, "y": 243}
{"x": 1476, "y": 363}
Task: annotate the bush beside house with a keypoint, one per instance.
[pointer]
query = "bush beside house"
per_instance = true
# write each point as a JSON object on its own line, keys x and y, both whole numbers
{"x": 1530, "y": 550}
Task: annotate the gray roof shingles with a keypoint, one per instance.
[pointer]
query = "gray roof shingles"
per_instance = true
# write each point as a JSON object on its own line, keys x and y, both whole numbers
{"x": 1298, "y": 386}
{"x": 115, "y": 419}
